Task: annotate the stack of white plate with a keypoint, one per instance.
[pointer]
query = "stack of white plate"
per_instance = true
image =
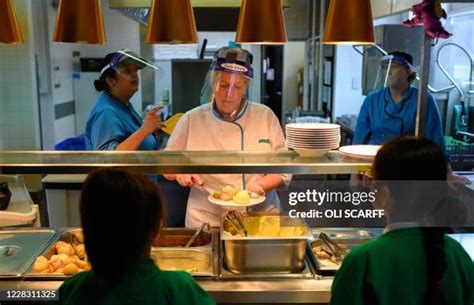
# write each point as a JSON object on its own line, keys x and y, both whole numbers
{"x": 313, "y": 139}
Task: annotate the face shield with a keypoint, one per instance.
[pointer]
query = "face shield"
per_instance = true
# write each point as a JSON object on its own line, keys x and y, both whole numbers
{"x": 392, "y": 69}
{"x": 228, "y": 82}
{"x": 128, "y": 64}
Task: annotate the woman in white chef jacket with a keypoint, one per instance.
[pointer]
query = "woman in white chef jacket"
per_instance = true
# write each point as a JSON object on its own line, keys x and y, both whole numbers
{"x": 229, "y": 122}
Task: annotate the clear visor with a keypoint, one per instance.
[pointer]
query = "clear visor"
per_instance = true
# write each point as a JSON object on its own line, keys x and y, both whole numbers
{"x": 129, "y": 64}
{"x": 228, "y": 91}
{"x": 389, "y": 66}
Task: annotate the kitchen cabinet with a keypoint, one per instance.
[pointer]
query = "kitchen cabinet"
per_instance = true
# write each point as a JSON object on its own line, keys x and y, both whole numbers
{"x": 403, "y": 5}
{"x": 381, "y": 8}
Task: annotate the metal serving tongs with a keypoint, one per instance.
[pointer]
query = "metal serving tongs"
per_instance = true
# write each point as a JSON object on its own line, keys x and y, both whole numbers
{"x": 198, "y": 232}
{"x": 333, "y": 247}
{"x": 235, "y": 219}
{"x": 74, "y": 241}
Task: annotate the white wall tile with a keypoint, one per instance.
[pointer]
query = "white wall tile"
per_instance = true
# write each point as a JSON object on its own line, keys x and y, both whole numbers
{"x": 347, "y": 100}
{"x": 121, "y": 32}
{"x": 293, "y": 60}
{"x": 18, "y": 99}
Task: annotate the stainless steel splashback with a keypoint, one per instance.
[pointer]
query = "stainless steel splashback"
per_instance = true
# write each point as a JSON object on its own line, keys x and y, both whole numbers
{"x": 392, "y": 37}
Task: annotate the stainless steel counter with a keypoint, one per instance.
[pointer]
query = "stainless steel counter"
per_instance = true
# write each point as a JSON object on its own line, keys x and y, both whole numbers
{"x": 291, "y": 291}
{"x": 161, "y": 162}
{"x": 271, "y": 289}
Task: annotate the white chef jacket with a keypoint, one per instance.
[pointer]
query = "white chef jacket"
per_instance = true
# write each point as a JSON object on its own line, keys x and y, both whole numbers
{"x": 202, "y": 129}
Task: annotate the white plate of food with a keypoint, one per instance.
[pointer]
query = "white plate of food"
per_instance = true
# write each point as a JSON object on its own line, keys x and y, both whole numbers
{"x": 232, "y": 197}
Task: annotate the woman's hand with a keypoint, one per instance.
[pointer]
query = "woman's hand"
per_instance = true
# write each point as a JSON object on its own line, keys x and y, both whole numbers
{"x": 189, "y": 180}
{"x": 152, "y": 121}
{"x": 455, "y": 181}
{"x": 254, "y": 185}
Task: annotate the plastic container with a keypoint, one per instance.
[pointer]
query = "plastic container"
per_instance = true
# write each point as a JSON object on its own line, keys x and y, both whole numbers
{"x": 21, "y": 211}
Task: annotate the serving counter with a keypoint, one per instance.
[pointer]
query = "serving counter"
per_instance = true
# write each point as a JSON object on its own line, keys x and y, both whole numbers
{"x": 165, "y": 162}
{"x": 295, "y": 291}
{"x": 238, "y": 289}
{"x": 311, "y": 289}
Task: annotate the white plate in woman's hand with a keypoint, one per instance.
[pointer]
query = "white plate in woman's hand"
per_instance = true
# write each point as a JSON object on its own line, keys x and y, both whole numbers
{"x": 254, "y": 200}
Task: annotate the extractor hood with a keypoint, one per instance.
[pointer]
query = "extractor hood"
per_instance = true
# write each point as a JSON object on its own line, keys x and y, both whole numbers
{"x": 208, "y": 19}
{"x": 210, "y": 15}
{"x": 195, "y": 3}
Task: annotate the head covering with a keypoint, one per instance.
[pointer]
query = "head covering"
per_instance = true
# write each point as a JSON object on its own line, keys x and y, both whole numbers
{"x": 128, "y": 56}
{"x": 233, "y": 60}
{"x": 392, "y": 61}
{"x": 230, "y": 70}
{"x": 398, "y": 57}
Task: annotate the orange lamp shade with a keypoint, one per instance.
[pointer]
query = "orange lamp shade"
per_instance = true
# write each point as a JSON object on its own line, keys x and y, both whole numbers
{"x": 9, "y": 30}
{"x": 80, "y": 21}
{"x": 171, "y": 22}
{"x": 261, "y": 22}
{"x": 349, "y": 22}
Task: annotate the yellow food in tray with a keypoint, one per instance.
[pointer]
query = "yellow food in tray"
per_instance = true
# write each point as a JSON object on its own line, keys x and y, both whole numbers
{"x": 272, "y": 226}
{"x": 229, "y": 192}
{"x": 64, "y": 258}
{"x": 188, "y": 260}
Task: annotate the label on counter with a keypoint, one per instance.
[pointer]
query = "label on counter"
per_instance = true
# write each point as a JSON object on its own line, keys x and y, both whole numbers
{"x": 29, "y": 295}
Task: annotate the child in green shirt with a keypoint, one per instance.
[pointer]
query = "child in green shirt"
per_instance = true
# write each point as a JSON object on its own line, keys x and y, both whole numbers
{"x": 408, "y": 264}
{"x": 121, "y": 215}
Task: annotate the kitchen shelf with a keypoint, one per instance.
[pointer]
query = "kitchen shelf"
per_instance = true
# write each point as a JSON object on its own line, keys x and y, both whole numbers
{"x": 167, "y": 162}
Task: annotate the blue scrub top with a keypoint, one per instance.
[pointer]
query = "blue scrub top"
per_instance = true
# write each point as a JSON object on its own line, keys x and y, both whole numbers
{"x": 111, "y": 122}
{"x": 380, "y": 119}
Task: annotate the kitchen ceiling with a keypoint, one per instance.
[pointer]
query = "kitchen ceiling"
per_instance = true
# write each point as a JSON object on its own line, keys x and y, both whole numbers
{"x": 195, "y": 3}
{"x": 223, "y": 15}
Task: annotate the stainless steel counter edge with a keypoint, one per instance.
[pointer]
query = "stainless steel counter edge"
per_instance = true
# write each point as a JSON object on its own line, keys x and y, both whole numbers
{"x": 292, "y": 291}
{"x": 159, "y": 162}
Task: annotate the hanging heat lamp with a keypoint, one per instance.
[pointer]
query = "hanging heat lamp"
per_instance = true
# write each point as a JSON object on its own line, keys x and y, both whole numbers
{"x": 80, "y": 21}
{"x": 349, "y": 22}
{"x": 171, "y": 22}
{"x": 9, "y": 29}
{"x": 261, "y": 22}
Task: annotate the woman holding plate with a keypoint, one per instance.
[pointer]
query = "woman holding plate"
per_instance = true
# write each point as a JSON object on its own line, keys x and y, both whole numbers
{"x": 229, "y": 122}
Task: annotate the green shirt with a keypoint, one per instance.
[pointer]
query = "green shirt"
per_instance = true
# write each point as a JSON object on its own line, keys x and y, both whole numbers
{"x": 146, "y": 284}
{"x": 391, "y": 270}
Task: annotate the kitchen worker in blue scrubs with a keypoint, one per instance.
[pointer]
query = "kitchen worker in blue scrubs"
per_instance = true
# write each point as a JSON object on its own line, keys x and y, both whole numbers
{"x": 113, "y": 123}
{"x": 391, "y": 111}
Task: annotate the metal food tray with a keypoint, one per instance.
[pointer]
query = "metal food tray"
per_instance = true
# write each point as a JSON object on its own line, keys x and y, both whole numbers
{"x": 200, "y": 256}
{"x": 196, "y": 262}
{"x": 19, "y": 249}
{"x": 307, "y": 272}
{"x": 178, "y": 237}
{"x": 265, "y": 255}
{"x": 342, "y": 233}
{"x": 225, "y": 236}
{"x": 348, "y": 238}
{"x": 48, "y": 252}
